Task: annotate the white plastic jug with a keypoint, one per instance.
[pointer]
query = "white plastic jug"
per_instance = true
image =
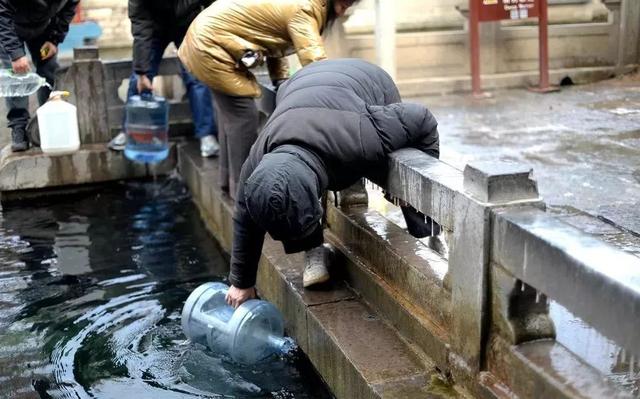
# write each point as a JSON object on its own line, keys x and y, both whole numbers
{"x": 58, "y": 125}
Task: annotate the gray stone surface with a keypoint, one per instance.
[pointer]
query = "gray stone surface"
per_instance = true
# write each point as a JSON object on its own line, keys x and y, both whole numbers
{"x": 583, "y": 143}
{"x": 594, "y": 280}
{"x": 625, "y": 216}
{"x": 92, "y": 163}
{"x": 499, "y": 182}
{"x": 543, "y": 369}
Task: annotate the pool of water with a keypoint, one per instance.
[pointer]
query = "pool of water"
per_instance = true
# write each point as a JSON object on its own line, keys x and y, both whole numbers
{"x": 91, "y": 289}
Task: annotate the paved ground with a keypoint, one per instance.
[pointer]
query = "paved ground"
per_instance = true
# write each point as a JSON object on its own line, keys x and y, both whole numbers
{"x": 583, "y": 142}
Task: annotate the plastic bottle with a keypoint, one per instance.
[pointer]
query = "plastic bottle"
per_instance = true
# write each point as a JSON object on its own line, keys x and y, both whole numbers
{"x": 250, "y": 333}
{"x": 58, "y": 125}
{"x": 14, "y": 85}
{"x": 147, "y": 128}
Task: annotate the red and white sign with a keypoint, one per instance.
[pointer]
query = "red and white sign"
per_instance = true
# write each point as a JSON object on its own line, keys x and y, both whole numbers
{"x": 496, "y": 10}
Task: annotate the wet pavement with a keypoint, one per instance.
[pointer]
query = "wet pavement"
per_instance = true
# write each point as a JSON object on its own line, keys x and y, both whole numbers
{"x": 582, "y": 142}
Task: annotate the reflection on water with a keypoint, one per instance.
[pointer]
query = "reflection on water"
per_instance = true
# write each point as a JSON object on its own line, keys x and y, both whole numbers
{"x": 91, "y": 288}
{"x": 594, "y": 348}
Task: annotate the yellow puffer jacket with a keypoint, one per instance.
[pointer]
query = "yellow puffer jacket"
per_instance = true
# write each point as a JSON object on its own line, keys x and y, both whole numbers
{"x": 220, "y": 35}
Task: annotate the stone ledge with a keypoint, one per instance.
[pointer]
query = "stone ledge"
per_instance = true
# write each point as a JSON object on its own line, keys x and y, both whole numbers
{"x": 456, "y": 84}
{"x": 92, "y": 163}
{"x": 356, "y": 353}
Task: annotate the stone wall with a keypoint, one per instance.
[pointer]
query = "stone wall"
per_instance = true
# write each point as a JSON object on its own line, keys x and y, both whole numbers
{"x": 113, "y": 18}
{"x": 433, "y": 15}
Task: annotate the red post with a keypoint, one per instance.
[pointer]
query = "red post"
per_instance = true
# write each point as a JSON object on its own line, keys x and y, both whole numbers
{"x": 543, "y": 24}
{"x": 474, "y": 32}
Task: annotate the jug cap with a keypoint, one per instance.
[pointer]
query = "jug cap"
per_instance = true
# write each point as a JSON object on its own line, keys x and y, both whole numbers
{"x": 58, "y": 95}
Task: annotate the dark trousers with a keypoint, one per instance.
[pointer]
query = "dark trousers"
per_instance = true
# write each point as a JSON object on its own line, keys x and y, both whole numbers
{"x": 418, "y": 225}
{"x": 200, "y": 99}
{"x": 18, "y": 107}
{"x": 237, "y": 131}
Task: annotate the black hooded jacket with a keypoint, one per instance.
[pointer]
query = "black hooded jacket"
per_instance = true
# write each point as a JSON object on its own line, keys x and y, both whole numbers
{"x": 166, "y": 19}
{"x": 22, "y": 20}
{"x": 341, "y": 118}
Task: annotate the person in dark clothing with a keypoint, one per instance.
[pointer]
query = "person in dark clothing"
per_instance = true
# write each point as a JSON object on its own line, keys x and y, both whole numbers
{"x": 154, "y": 25}
{"x": 41, "y": 25}
{"x": 335, "y": 122}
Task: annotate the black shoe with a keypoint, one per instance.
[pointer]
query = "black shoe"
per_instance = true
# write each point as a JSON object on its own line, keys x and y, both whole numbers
{"x": 19, "y": 140}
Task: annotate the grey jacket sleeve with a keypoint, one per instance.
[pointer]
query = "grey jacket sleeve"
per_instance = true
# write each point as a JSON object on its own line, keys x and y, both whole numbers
{"x": 142, "y": 26}
{"x": 8, "y": 36}
{"x": 248, "y": 239}
{"x": 59, "y": 25}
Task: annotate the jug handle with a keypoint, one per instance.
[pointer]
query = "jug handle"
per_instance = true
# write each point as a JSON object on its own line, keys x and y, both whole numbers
{"x": 146, "y": 95}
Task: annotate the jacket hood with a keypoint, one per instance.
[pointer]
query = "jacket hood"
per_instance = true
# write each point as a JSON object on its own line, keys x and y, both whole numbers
{"x": 282, "y": 196}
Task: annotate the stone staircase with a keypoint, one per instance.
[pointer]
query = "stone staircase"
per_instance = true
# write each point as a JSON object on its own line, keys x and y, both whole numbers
{"x": 351, "y": 331}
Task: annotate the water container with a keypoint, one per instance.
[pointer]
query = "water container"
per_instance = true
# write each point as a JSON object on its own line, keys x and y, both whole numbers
{"x": 147, "y": 128}
{"x": 250, "y": 333}
{"x": 14, "y": 85}
{"x": 58, "y": 125}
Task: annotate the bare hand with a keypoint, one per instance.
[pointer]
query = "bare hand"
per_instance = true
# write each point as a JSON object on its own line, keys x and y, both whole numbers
{"x": 48, "y": 50}
{"x": 21, "y": 65}
{"x": 144, "y": 84}
{"x": 237, "y": 296}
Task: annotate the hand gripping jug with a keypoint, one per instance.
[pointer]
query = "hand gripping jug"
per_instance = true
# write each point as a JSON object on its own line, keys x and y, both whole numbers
{"x": 250, "y": 333}
{"x": 147, "y": 128}
{"x": 58, "y": 125}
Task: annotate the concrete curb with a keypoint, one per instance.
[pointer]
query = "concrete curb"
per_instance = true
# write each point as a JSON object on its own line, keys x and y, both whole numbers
{"x": 92, "y": 163}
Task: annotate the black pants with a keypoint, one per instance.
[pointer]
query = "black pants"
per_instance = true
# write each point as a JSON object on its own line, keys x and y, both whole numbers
{"x": 237, "y": 131}
{"x": 418, "y": 225}
{"x": 18, "y": 107}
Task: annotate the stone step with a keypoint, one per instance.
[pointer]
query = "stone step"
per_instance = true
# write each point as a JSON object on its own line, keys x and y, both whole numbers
{"x": 438, "y": 85}
{"x": 92, "y": 163}
{"x": 355, "y": 351}
{"x": 397, "y": 275}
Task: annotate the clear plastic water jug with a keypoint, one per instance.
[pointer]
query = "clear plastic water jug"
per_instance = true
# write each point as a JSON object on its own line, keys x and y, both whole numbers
{"x": 58, "y": 125}
{"x": 14, "y": 85}
{"x": 147, "y": 128}
{"x": 252, "y": 332}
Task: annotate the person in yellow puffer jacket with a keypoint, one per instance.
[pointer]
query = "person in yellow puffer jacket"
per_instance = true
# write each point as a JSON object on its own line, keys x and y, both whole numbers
{"x": 232, "y": 36}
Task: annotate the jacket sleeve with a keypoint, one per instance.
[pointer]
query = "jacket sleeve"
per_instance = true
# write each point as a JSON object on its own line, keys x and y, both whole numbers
{"x": 278, "y": 68}
{"x": 248, "y": 238}
{"x": 142, "y": 31}
{"x": 403, "y": 125}
{"x": 59, "y": 25}
{"x": 305, "y": 35}
{"x": 8, "y": 36}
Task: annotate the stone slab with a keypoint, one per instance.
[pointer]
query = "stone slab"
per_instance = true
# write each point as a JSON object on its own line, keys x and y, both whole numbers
{"x": 625, "y": 216}
{"x": 546, "y": 369}
{"x": 399, "y": 259}
{"x": 594, "y": 280}
{"x": 499, "y": 182}
{"x": 414, "y": 324}
{"x": 92, "y": 163}
{"x": 353, "y": 350}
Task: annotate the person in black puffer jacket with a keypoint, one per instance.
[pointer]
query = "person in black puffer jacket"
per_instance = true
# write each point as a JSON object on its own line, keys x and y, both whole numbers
{"x": 41, "y": 25}
{"x": 335, "y": 122}
{"x": 154, "y": 25}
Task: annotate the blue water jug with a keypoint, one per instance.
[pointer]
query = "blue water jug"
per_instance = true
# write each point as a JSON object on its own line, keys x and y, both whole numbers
{"x": 147, "y": 128}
